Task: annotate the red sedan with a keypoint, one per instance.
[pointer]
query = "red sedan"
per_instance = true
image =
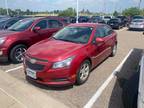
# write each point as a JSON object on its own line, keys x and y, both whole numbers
{"x": 69, "y": 56}
{"x": 24, "y": 33}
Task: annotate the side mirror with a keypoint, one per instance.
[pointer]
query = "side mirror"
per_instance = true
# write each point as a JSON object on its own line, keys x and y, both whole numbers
{"x": 36, "y": 29}
{"x": 99, "y": 40}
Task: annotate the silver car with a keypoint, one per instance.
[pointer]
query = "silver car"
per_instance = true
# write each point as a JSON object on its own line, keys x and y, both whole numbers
{"x": 137, "y": 24}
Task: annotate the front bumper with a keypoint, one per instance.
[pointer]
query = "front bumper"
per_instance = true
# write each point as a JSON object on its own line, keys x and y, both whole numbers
{"x": 132, "y": 27}
{"x": 51, "y": 77}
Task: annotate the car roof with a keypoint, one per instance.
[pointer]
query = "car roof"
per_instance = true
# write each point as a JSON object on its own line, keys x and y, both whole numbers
{"x": 85, "y": 24}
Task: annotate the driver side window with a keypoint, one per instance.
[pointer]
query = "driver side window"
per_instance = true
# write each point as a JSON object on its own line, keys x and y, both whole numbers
{"x": 100, "y": 32}
{"x": 42, "y": 24}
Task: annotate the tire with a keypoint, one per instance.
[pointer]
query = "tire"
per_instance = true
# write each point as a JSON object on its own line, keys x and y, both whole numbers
{"x": 81, "y": 79}
{"x": 114, "y": 50}
{"x": 16, "y": 53}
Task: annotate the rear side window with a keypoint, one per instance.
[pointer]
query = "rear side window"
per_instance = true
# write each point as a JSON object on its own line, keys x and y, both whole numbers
{"x": 42, "y": 24}
{"x": 108, "y": 31}
{"x": 54, "y": 24}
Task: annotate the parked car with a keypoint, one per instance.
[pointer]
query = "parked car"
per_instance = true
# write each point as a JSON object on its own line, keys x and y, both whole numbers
{"x": 7, "y": 22}
{"x": 115, "y": 23}
{"x": 96, "y": 19}
{"x": 140, "y": 103}
{"x": 83, "y": 19}
{"x": 137, "y": 24}
{"x": 124, "y": 20}
{"x": 24, "y": 33}
{"x": 106, "y": 19}
{"x": 69, "y": 56}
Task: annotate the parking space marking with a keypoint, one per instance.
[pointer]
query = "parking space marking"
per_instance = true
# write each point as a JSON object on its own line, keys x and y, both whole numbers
{"x": 13, "y": 69}
{"x": 106, "y": 83}
{"x": 9, "y": 95}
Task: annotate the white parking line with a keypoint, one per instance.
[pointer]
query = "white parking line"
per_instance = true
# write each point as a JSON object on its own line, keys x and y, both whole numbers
{"x": 13, "y": 69}
{"x": 105, "y": 84}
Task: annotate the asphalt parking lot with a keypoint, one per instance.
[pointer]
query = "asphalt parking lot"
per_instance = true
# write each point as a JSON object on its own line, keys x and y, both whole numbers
{"x": 79, "y": 96}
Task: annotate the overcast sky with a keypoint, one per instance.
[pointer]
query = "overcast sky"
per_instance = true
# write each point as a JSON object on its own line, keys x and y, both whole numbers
{"x": 92, "y": 5}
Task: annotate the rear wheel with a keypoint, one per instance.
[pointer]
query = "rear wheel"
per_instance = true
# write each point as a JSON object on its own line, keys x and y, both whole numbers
{"x": 83, "y": 72}
{"x": 16, "y": 53}
{"x": 114, "y": 50}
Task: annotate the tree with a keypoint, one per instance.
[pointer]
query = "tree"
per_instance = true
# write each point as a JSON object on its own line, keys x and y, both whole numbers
{"x": 68, "y": 12}
{"x": 131, "y": 11}
{"x": 115, "y": 13}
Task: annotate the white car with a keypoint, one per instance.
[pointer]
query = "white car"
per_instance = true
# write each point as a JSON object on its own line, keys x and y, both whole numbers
{"x": 137, "y": 24}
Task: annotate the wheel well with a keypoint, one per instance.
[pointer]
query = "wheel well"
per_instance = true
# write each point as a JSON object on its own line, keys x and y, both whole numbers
{"x": 89, "y": 61}
{"x": 14, "y": 44}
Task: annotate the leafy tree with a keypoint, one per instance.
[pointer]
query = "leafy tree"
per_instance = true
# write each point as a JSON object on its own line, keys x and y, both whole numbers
{"x": 68, "y": 12}
{"x": 115, "y": 13}
{"x": 131, "y": 11}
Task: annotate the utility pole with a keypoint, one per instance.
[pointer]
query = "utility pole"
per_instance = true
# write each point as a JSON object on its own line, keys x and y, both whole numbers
{"x": 139, "y": 5}
{"x": 6, "y": 5}
{"x": 77, "y": 11}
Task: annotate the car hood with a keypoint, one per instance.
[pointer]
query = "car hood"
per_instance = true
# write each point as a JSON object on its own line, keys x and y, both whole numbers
{"x": 4, "y": 33}
{"x": 53, "y": 50}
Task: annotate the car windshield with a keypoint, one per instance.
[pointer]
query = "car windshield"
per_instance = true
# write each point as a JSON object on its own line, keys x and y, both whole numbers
{"x": 114, "y": 20}
{"x": 21, "y": 25}
{"x": 138, "y": 21}
{"x": 74, "y": 34}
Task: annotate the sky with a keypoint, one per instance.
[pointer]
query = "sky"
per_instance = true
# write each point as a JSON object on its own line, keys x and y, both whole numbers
{"x": 107, "y": 6}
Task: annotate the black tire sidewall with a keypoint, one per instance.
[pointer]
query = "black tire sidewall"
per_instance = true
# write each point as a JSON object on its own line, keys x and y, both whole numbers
{"x": 78, "y": 80}
{"x": 12, "y": 53}
{"x": 113, "y": 54}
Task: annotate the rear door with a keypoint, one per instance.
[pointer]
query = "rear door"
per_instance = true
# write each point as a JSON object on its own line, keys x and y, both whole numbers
{"x": 102, "y": 50}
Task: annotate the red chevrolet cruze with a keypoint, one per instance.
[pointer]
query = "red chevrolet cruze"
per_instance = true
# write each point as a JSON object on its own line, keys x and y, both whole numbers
{"x": 69, "y": 56}
{"x": 24, "y": 33}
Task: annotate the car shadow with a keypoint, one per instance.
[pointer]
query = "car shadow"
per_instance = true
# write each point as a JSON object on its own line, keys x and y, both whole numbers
{"x": 5, "y": 63}
{"x": 124, "y": 93}
{"x": 46, "y": 87}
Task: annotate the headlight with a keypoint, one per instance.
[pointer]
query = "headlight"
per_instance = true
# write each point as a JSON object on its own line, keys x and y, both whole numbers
{"x": 64, "y": 63}
{"x": 2, "y": 40}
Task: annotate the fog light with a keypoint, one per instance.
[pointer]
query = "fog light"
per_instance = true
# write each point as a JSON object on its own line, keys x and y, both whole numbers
{"x": 1, "y": 53}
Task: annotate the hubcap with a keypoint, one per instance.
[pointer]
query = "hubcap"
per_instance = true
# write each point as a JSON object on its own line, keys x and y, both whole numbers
{"x": 84, "y": 72}
{"x": 19, "y": 54}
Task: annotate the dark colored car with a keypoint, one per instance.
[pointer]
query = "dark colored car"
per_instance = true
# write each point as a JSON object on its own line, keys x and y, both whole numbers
{"x": 9, "y": 22}
{"x": 16, "y": 39}
{"x": 96, "y": 19}
{"x": 124, "y": 20}
{"x": 115, "y": 23}
{"x": 83, "y": 19}
{"x": 69, "y": 56}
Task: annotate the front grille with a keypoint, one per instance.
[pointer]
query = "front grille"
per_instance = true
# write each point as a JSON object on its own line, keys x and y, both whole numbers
{"x": 34, "y": 66}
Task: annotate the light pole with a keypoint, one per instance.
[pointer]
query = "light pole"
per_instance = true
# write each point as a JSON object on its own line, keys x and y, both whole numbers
{"x": 6, "y": 5}
{"x": 139, "y": 5}
{"x": 77, "y": 11}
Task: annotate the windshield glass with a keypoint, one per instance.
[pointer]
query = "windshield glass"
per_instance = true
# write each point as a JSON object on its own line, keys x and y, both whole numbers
{"x": 114, "y": 20}
{"x": 74, "y": 34}
{"x": 138, "y": 21}
{"x": 21, "y": 25}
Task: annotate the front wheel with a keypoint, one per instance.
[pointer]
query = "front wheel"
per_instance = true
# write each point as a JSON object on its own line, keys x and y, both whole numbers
{"x": 114, "y": 50}
{"x": 83, "y": 72}
{"x": 16, "y": 53}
